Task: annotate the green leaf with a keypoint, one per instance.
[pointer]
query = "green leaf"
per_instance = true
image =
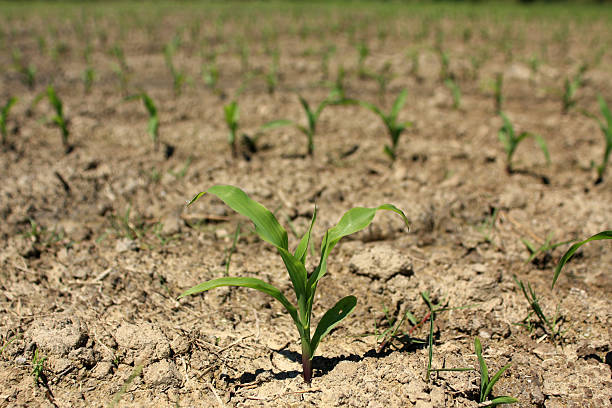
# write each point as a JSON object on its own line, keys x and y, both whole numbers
{"x": 266, "y": 225}
{"x": 352, "y": 221}
{"x": 276, "y": 123}
{"x": 398, "y": 104}
{"x": 331, "y": 318}
{"x": 542, "y": 143}
{"x": 149, "y": 105}
{"x": 302, "y": 249}
{"x": 501, "y": 400}
{"x": 493, "y": 380}
{"x": 603, "y": 107}
{"x": 484, "y": 371}
{"x": 231, "y": 113}
{"x": 252, "y": 283}
{"x": 567, "y": 256}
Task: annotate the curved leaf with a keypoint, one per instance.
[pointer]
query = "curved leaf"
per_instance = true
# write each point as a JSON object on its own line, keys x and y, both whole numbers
{"x": 484, "y": 371}
{"x": 501, "y": 400}
{"x": 398, "y": 104}
{"x": 331, "y": 318}
{"x": 266, "y": 225}
{"x": 252, "y": 283}
{"x": 493, "y": 380}
{"x": 302, "y": 249}
{"x": 352, "y": 221}
{"x": 567, "y": 256}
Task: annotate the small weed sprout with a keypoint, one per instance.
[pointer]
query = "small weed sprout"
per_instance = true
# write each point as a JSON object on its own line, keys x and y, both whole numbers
{"x": 543, "y": 249}
{"x": 27, "y": 71}
{"x": 394, "y": 128}
{"x": 606, "y": 128}
{"x": 510, "y": 141}
{"x": 38, "y": 366}
{"x": 487, "y": 383}
{"x": 59, "y": 119}
{"x": 552, "y": 325}
{"x": 570, "y": 252}
{"x": 363, "y": 51}
{"x": 178, "y": 77}
{"x": 153, "y": 124}
{"x": 4, "y": 118}
{"x": 89, "y": 75}
{"x": 304, "y": 283}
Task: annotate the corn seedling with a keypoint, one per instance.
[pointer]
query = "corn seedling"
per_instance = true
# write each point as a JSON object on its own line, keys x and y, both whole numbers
{"x": 88, "y": 78}
{"x": 507, "y": 136}
{"x": 231, "y": 120}
{"x": 552, "y": 325}
{"x": 272, "y": 76}
{"x": 338, "y": 89}
{"x": 4, "y": 118}
{"x": 455, "y": 92}
{"x": 27, "y": 71}
{"x": 487, "y": 383}
{"x": 153, "y": 124}
{"x": 326, "y": 54}
{"x": 570, "y": 252}
{"x": 544, "y": 249}
{"x": 121, "y": 69}
{"x": 498, "y": 86}
{"x": 363, "y": 51}
{"x": 606, "y": 128}
{"x": 59, "y": 118}
{"x": 313, "y": 117}
{"x": 304, "y": 283}
{"x": 414, "y": 67}
{"x": 444, "y": 66}
{"x": 178, "y": 77}
{"x": 570, "y": 88}
{"x": 394, "y": 128}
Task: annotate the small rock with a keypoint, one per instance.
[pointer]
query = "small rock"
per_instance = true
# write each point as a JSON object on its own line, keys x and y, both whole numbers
{"x": 142, "y": 341}
{"x": 59, "y": 336}
{"x": 380, "y": 262}
{"x": 102, "y": 369}
{"x": 124, "y": 245}
{"x": 162, "y": 374}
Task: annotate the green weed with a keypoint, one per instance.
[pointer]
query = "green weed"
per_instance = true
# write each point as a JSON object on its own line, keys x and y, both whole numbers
{"x": 552, "y": 325}
{"x": 304, "y": 283}
{"x": 487, "y": 383}
{"x": 455, "y": 92}
{"x": 543, "y": 249}
{"x": 572, "y": 250}
{"x": 38, "y": 366}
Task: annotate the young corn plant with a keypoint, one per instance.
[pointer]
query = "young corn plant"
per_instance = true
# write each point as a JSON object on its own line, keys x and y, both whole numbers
{"x": 313, "y": 117}
{"x": 59, "y": 119}
{"x": 606, "y": 128}
{"x": 178, "y": 77}
{"x": 153, "y": 124}
{"x": 89, "y": 75}
{"x": 4, "y": 118}
{"x": 510, "y": 140}
{"x": 363, "y": 52}
{"x": 487, "y": 383}
{"x": 232, "y": 115}
{"x": 571, "y": 86}
{"x": 572, "y": 250}
{"x": 304, "y": 283}
{"x": 394, "y": 128}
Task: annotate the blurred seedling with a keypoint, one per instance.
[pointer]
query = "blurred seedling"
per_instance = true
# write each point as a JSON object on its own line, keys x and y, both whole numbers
{"x": 362, "y": 53}
{"x": 4, "y": 118}
{"x": 89, "y": 75}
{"x": 572, "y": 250}
{"x": 121, "y": 69}
{"x": 487, "y": 227}
{"x": 180, "y": 174}
{"x": 394, "y": 128}
{"x": 43, "y": 236}
{"x": 543, "y": 250}
{"x": 272, "y": 76}
{"x": 444, "y": 66}
{"x": 27, "y": 71}
{"x": 312, "y": 117}
{"x": 338, "y": 88}
{"x": 59, "y": 119}
{"x": 38, "y": 367}
{"x": 455, "y": 92}
{"x": 304, "y": 283}
{"x": 606, "y": 128}
{"x": 498, "y": 87}
{"x": 487, "y": 383}
{"x": 117, "y": 397}
{"x": 153, "y": 124}
{"x": 510, "y": 141}
{"x": 570, "y": 87}
{"x": 414, "y": 64}
{"x": 232, "y": 115}
{"x": 178, "y": 77}
{"x": 327, "y": 52}
{"x": 550, "y": 324}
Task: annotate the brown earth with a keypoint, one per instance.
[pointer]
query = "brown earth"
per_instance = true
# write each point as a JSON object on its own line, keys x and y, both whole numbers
{"x": 98, "y": 244}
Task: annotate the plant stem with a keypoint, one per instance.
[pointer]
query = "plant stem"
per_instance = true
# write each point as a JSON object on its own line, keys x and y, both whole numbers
{"x": 306, "y": 367}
